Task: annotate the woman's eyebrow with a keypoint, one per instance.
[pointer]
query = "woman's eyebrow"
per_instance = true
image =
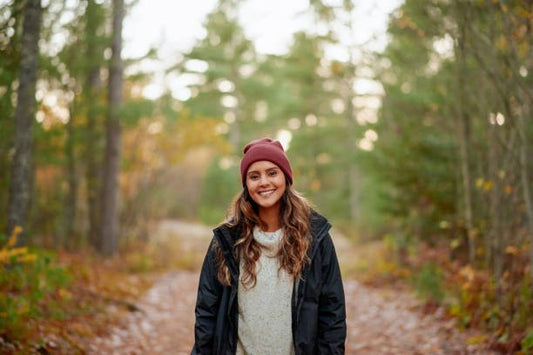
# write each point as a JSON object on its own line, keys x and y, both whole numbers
{"x": 257, "y": 171}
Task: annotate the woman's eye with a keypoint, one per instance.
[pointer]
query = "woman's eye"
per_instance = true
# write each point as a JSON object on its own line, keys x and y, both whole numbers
{"x": 254, "y": 177}
{"x": 273, "y": 173}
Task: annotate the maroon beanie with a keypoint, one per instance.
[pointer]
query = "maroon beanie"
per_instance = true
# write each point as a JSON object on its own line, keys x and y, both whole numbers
{"x": 265, "y": 149}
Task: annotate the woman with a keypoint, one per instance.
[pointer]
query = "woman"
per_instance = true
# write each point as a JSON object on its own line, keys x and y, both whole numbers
{"x": 270, "y": 282}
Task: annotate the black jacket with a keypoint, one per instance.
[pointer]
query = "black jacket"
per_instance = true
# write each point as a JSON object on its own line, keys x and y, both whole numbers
{"x": 318, "y": 307}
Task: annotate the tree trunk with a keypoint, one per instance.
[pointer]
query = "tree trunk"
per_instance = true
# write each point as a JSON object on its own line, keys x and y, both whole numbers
{"x": 350, "y": 73}
{"x": 20, "y": 186}
{"x": 110, "y": 220}
{"x": 464, "y": 140}
{"x": 10, "y": 64}
{"x": 524, "y": 175}
{"x": 92, "y": 148}
{"x": 524, "y": 99}
{"x": 71, "y": 201}
{"x": 351, "y": 171}
{"x": 495, "y": 211}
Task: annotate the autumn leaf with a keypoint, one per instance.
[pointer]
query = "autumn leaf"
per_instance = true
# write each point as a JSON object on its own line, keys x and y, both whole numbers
{"x": 488, "y": 185}
{"x": 14, "y": 235}
{"x": 511, "y": 250}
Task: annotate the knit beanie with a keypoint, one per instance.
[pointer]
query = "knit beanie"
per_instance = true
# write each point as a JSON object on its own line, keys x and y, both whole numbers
{"x": 265, "y": 149}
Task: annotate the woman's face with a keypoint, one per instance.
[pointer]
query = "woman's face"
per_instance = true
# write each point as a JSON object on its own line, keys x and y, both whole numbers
{"x": 266, "y": 184}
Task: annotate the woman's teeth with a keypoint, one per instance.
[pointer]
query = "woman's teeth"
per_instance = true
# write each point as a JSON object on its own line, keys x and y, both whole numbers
{"x": 266, "y": 193}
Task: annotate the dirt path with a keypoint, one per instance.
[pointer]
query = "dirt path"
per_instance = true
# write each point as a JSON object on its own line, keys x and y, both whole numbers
{"x": 379, "y": 322}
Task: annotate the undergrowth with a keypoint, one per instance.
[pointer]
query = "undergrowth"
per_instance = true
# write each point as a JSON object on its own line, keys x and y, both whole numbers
{"x": 502, "y": 310}
{"x": 54, "y": 301}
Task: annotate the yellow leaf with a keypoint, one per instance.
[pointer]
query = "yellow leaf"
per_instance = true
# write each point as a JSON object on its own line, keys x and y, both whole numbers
{"x": 6, "y": 254}
{"x": 476, "y": 339}
{"x": 523, "y": 49}
{"x": 501, "y": 43}
{"x": 511, "y": 250}
{"x": 65, "y": 294}
{"x": 27, "y": 258}
{"x": 18, "y": 251}
{"x": 488, "y": 186}
{"x": 508, "y": 189}
{"x": 455, "y": 243}
{"x": 467, "y": 272}
{"x": 12, "y": 240}
{"x": 14, "y": 235}
{"x": 479, "y": 183}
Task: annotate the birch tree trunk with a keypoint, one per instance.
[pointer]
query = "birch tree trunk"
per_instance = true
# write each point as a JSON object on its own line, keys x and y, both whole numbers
{"x": 20, "y": 186}
{"x": 110, "y": 192}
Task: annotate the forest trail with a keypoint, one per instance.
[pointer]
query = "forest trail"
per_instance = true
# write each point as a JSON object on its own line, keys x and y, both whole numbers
{"x": 379, "y": 321}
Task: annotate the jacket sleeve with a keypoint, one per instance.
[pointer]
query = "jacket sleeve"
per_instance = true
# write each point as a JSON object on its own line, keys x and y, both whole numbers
{"x": 331, "y": 307}
{"x": 207, "y": 303}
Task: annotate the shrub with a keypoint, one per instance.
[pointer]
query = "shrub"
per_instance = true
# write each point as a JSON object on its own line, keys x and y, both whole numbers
{"x": 32, "y": 285}
{"x": 428, "y": 282}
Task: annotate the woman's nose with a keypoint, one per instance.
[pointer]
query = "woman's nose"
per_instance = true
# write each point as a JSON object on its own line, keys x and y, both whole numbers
{"x": 263, "y": 180}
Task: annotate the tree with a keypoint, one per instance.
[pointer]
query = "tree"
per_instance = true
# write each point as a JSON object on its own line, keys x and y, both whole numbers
{"x": 309, "y": 92}
{"x": 10, "y": 25}
{"x": 21, "y": 166}
{"x": 226, "y": 87}
{"x": 109, "y": 236}
{"x": 94, "y": 21}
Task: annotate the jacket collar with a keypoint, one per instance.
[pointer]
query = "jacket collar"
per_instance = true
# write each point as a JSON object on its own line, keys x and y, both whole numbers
{"x": 227, "y": 236}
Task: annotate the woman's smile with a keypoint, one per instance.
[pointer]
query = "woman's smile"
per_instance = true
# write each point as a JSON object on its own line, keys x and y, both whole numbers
{"x": 266, "y": 193}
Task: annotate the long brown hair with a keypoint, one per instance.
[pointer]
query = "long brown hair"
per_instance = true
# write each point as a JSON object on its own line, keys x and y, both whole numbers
{"x": 295, "y": 213}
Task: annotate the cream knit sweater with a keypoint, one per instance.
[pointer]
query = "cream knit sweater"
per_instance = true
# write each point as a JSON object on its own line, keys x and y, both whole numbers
{"x": 265, "y": 310}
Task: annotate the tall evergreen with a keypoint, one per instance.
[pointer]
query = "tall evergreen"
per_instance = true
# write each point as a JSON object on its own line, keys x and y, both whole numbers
{"x": 109, "y": 233}
{"x": 21, "y": 165}
{"x": 10, "y": 22}
{"x": 94, "y": 40}
{"x": 226, "y": 87}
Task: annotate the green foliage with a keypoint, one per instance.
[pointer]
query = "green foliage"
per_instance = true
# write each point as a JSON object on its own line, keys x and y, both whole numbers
{"x": 221, "y": 184}
{"x": 525, "y": 303}
{"x": 527, "y": 342}
{"x": 132, "y": 111}
{"x": 227, "y": 56}
{"x": 32, "y": 285}
{"x": 428, "y": 282}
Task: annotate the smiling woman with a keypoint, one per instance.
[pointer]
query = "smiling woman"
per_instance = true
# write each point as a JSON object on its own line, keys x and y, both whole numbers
{"x": 275, "y": 255}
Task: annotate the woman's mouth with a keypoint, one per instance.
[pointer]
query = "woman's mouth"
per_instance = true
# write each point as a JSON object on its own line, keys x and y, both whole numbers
{"x": 266, "y": 193}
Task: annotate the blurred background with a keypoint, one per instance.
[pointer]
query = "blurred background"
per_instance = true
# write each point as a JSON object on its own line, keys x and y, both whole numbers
{"x": 407, "y": 123}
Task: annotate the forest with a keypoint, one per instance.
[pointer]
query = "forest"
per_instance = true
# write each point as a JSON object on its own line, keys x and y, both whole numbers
{"x": 421, "y": 151}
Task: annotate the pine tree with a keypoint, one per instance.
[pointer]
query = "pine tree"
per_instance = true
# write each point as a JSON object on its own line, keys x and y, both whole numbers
{"x": 21, "y": 166}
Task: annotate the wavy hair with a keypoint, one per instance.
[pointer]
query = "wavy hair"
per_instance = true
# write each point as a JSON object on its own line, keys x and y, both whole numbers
{"x": 292, "y": 256}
